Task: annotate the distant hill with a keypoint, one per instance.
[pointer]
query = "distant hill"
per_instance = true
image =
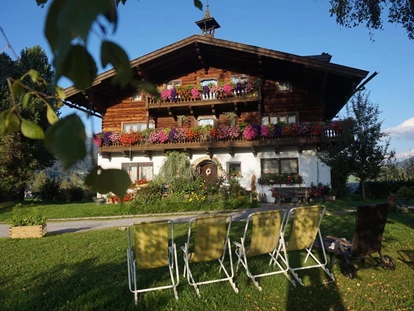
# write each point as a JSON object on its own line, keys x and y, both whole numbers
{"x": 405, "y": 163}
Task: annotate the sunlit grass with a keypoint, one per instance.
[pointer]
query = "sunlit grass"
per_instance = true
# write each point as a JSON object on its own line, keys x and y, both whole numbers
{"x": 87, "y": 271}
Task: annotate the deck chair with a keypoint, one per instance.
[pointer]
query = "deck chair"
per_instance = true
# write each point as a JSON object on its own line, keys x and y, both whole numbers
{"x": 209, "y": 242}
{"x": 265, "y": 238}
{"x": 366, "y": 240}
{"x": 304, "y": 230}
{"x": 151, "y": 245}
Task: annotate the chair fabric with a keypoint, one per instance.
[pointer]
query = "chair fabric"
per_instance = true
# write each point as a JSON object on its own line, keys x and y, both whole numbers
{"x": 367, "y": 239}
{"x": 210, "y": 242}
{"x": 265, "y": 238}
{"x": 150, "y": 246}
{"x": 305, "y": 229}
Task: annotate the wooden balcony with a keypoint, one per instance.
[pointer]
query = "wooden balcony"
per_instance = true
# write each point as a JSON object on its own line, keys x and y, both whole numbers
{"x": 212, "y": 146}
{"x": 204, "y": 104}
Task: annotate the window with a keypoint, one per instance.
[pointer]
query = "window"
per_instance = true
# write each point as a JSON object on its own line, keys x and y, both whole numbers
{"x": 208, "y": 82}
{"x": 173, "y": 84}
{"x": 137, "y": 171}
{"x": 234, "y": 169}
{"x": 137, "y": 97}
{"x": 238, "y": 79}
{"x": 279, "y": 166}
{"x": 289, "y": 118}
{"x": 207, "y": 120}
{"x": 283, "y": 86}
{"x": 135, "y": 127}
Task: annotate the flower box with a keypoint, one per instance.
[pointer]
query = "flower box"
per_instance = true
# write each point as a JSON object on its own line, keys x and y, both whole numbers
{"x": 23, "y": 232}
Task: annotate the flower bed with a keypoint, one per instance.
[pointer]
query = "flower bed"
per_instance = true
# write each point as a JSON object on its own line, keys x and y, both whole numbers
{"x": 246, "y": 132}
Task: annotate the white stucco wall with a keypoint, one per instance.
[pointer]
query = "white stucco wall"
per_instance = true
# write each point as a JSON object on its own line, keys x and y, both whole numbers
{"x": 310, "y": 167}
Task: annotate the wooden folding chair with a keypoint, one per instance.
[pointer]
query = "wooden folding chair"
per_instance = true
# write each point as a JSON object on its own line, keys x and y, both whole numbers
{"x": 154, "y": 248}
{"x": 209, "y": 242}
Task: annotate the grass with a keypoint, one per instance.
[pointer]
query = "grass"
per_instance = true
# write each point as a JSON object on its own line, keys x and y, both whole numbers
{"x": 79, "y": 210}
{"x": 87, "y": 271}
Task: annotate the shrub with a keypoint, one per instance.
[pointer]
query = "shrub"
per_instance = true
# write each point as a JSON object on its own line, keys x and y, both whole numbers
{"x": 405, "y": 193}
{"x": 75, "y": 193}
{"x": 50, "y": 190}
{"x": 24, "y": 217}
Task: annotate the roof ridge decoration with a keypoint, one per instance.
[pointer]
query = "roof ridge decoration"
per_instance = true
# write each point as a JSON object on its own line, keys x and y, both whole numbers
{"x": 208, "y": 24}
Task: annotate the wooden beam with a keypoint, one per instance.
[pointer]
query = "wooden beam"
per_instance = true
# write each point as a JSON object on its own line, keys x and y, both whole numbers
{"x": 231, "y": 151}
{"x": 106, "y": 155}
{"x": 209, "y": 152}
{"x": 148, "y": 154}
{"x": 277, "y": 149}
{"x": 254, "y": 151}
{"x": 188, "y": 153}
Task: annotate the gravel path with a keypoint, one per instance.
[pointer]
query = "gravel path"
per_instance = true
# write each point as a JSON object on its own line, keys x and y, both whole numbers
{"x": 58, "y": 226}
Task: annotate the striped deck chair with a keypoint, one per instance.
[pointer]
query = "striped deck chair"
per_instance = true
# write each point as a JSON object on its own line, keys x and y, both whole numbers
{"x": 305, "y": 222}
{"x": 151, "y": 245}
{"x": 265, "y": 238}
{"x": 209, "y": 242}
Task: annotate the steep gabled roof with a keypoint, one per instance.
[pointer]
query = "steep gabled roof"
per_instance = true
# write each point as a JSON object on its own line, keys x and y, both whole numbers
{"x": 198, "y": 52}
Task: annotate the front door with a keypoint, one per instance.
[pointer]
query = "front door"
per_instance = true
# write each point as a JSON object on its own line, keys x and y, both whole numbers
{"x": 208, "y": 169}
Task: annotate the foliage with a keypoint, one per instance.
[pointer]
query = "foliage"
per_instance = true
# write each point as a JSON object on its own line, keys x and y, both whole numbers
{"x": 276, "y": 179}
{"x": 405, "y": 193}
{"x": 50, "y": 190}
{"x": 175, "y": 165}
{"x": 20, "y": 156}
{"x": 23, "y": 217}
{"x": 364, "y": 148}
{"x": 352, "y": 13}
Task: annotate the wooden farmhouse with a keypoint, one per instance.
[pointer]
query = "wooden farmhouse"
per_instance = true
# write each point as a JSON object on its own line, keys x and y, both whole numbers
{"x": 232, "y": 108}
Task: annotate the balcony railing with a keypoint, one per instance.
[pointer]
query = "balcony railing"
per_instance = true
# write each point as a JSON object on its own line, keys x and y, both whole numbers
{"x": 200, "y": 99}
{"x": 193, "y": 140}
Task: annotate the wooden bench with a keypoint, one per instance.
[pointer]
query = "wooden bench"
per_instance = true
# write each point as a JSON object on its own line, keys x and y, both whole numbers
{"x": 279, "y": 193}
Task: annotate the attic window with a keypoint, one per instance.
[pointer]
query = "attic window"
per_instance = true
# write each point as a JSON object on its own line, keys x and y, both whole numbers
{"x": 173, "y": 84}
{"x": 135, "y": 127}
{"x": 137, "y": 97}
{"x": 208, "y": 82}
{"x": 206, "y": 120}
{"x": 289, "y": 118}
{"x": 283, "y": 86}
{"x": 238, "y": 79}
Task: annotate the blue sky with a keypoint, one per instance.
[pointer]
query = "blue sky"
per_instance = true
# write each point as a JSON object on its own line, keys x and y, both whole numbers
{"x": 302, "y": 27}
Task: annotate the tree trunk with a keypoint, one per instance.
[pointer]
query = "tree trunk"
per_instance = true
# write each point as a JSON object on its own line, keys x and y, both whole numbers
{"x": 363, "y": 189}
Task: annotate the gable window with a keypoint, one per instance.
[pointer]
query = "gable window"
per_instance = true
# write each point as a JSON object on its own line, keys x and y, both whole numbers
{"x": 139, "y": 171}
{"x": 279, "y": 166}
{"x": 173, "y": 84}
{"x": 137, "y": 97}
{"x": 238, "y": 79}
{"x": 234, "y": 169}
{"x": 283, "y": 86}
{"x": 289, "y": 118}
{"x": 208, "y": 82}
{"x": 138, "y": 126}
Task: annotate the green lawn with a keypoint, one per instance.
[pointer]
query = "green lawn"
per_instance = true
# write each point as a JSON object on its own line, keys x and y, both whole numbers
{"x": 87, "y": 271}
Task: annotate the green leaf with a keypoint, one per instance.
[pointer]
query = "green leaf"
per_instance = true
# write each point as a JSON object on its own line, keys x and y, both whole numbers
{"x": 26, "y": 99}
{"x": 112, "y": 53}
{"x": 52, "y": 29}
{"x": 34, "y": 75}
{"x": 9, "y": 122}
{"x": 60, "y": 92}
{"x": 17, "y": 88}
{"x": 51, "y": 115}
{"x": 198, "y": 4}
{"x": 147, "y": 87}
{"x": 77, "y": 16}
{"x": 31, "y": 130}
{"x": 110, "y": 180}
{"x": 79, "y": 66}
{"x": 66, "y": 140}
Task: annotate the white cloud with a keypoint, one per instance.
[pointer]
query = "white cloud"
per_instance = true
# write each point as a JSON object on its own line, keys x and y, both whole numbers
{"x": 404, "y": 131}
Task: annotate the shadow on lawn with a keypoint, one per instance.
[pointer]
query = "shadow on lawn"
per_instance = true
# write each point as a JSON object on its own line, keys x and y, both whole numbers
{"x": 87, "y": 285}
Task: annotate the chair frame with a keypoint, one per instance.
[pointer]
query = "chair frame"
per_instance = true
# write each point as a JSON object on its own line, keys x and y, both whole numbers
{"x": 371, "y": 219}
{"x": 322, "y": 265}
{"x": 226, "y": 248}
{"x": 241, "y": 250}
{"x": 172, "y": 262}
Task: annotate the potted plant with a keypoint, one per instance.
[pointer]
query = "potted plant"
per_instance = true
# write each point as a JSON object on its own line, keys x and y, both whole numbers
{"x": 26, "y": 224}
